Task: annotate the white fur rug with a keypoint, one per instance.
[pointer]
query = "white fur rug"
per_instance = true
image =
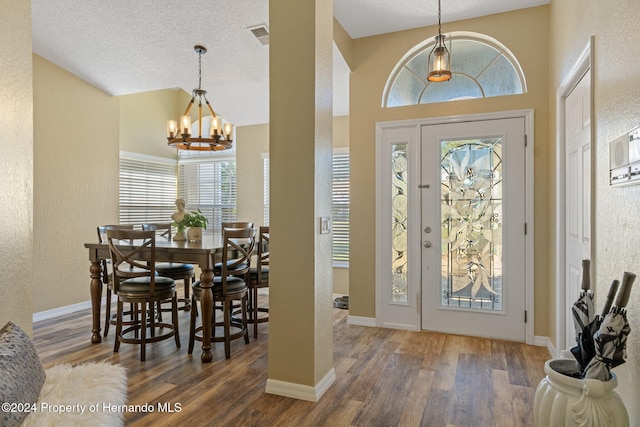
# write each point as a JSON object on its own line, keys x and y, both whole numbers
{"x": 84, "y": 395}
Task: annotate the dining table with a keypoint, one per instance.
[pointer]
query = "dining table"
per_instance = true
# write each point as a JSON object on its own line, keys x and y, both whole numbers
{"x": 204, "y": 253}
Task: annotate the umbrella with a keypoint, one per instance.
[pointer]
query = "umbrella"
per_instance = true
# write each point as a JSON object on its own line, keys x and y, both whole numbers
{"x": 583, "y": 311}
{"x": 585, "y": 350}
{"x": 611, "y": 339}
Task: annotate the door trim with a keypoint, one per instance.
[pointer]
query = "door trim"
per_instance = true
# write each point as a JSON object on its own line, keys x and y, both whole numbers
{"x": 414, "y": 210}
{"x": 581, "y": 66}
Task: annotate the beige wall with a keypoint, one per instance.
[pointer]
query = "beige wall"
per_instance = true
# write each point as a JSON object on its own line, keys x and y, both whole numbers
{"x": 16, "y": 164}
{"x": 253, "y": 142}
{"x": 143, "y": 119}
{"x": 525, "y": 33}
{"x": 75, "y": 180}
{"x": 617, "y": 110}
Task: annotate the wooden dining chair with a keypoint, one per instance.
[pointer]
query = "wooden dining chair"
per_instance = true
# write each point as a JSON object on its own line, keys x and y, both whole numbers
{"x": 238, "y": 225}
{"x": 174, "y": 270}
{"x": 259, "y": 278}
{"x": 228, "y": 287}
{"x": 137, "y": 283}
{"x": 107, "y": 276}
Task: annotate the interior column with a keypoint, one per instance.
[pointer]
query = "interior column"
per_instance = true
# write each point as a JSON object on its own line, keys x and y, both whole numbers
{"x": 300, "y": 157}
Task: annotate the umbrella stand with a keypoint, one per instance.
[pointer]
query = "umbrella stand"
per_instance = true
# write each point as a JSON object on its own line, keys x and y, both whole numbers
{"x": 563, "y": 401}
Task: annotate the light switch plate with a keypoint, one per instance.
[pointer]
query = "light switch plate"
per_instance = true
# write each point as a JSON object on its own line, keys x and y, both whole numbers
{"x": 325, "y": 225}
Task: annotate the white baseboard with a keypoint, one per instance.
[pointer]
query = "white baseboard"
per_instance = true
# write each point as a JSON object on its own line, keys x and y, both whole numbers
{"x": 361, "y": 321}
{"x": 55, "y": 312}
{"x": 400, "y": 326}
{"x": 61, "y": 311}
{"x": 301, "y": 391}
{"x": 545, "y": 342}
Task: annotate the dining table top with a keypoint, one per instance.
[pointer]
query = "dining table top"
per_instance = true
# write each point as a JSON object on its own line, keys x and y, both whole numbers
{"x": 169, "y": 249}
{"x": 210, "y": 241}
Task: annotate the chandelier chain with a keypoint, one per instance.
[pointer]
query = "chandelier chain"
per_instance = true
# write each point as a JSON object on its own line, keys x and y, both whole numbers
{"x": 439, "y": 14}
{"x": 199, "y": 70}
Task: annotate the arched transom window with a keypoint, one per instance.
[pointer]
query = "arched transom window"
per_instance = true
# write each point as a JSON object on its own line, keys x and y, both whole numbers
{"x": 481, "y": 67}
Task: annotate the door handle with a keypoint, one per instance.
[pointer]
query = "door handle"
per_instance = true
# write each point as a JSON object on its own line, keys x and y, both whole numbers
{"x": 427, "y": 243}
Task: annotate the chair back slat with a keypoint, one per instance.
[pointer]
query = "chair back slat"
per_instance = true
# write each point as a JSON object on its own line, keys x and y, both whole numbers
{"x": 263, "y": 245}
{"x": 237, "y": 224}
{"x": 102, "y": 230}
{"x": 263, "y": 251}
{"x": 162, "y": 229}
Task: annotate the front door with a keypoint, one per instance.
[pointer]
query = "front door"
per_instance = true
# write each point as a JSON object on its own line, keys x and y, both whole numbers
{"x": 473, "y": 228}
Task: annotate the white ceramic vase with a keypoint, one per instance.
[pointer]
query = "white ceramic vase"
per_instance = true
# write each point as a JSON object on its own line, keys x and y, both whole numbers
{"x": 194, "y": 234}
{"x": 562, "y": 400}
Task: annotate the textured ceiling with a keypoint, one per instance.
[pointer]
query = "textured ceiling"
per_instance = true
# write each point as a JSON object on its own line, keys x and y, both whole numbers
{"x": 124, "y": 46}
{"x": 362, "y": 18}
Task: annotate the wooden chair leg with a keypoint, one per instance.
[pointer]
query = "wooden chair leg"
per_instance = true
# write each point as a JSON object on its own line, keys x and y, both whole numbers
{"x": 243, "y": 305}
{"x": 228, "y": 307}
{"x": 136, "y": 318}
{"x": 152, "y": 321}
{"x": 187, "y": 285}
{"x": 254, "y": 291}
{"x": 192, "y": 324}
{"x": 174, "y": 309}
{"x": 116, "y": 344}
{"x": 143, "y": 331}
{"x": 107, "y": 316}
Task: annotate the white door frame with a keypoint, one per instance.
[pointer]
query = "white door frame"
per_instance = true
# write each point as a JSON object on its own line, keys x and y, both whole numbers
{"x": 383, "y": 242}
{"x": 582, "y": 65}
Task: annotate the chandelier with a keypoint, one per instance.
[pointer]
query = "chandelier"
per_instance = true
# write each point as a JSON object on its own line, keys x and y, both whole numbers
{"x": 179, "y": 134}
{"x": 439, "y": 58}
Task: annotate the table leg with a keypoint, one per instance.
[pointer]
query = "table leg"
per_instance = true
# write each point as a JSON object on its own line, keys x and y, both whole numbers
{"x": 206, "y": 302}
{"x": 96, "y": 296}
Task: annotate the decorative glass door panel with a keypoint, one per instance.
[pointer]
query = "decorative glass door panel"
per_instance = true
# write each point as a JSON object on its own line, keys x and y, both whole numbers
{"x": 471, "y": 235}
{"x": 473, "y": 228}
{"x": 399, "y": 256}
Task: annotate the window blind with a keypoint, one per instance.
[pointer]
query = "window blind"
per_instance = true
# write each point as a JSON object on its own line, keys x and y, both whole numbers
{"x": 147, "y": 190}
{"x": 265, "y": 162}
{"x": 209, "y": 185}
{"x": 340, "y": 198}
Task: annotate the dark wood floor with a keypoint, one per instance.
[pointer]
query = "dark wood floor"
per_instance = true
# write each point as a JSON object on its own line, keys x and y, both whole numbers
{"x": 384, "y": 378}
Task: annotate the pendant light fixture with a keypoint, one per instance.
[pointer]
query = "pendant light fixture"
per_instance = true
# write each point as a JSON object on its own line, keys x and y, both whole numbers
{"x": 439, "y": 57}
{"x": 179, "y": 133}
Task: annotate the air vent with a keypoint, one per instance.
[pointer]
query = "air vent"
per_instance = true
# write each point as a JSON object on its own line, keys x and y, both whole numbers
{"x": 261, "y": 32}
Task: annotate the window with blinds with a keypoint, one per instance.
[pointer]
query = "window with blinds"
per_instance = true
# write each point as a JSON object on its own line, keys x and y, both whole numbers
{"x": 340, "y": 200}
{"x": 209, "y": 185}
{"x": 265, "y": 163}
{"x": 147, "y": 190}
